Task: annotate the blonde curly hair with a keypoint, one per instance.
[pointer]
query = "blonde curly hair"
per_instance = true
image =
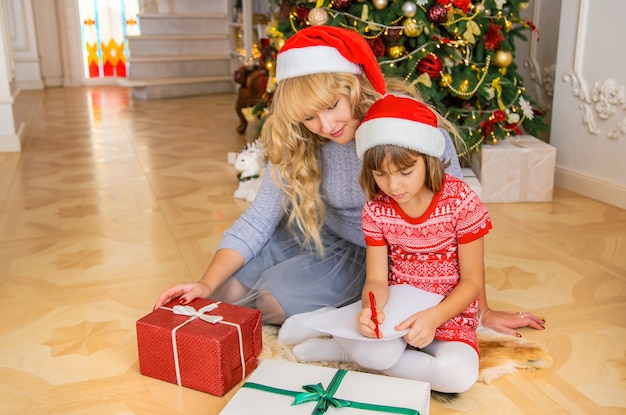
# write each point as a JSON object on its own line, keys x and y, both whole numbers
{"x": 294, "y": 150}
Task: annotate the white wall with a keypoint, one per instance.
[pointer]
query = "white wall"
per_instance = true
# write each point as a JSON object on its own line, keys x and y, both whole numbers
{"x": 9, "y": 129}
{"x": 45, "y": 14}
{"x": 25, "y": 45}
{"x": 589, "y": 110}
{"x": 536, "y": 58}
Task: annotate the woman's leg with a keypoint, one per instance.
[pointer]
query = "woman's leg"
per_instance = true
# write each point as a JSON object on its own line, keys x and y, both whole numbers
{"x": 237, "y": 289}
{"x": 230, "y": 292}
{"x": 285, "y": 279}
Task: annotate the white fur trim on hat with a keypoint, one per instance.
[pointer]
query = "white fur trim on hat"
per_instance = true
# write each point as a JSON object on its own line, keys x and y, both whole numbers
{"x": 312, "y": 60}
{"x": 420, "y": 137}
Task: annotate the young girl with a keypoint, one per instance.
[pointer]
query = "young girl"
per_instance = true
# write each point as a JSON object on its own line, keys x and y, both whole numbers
{"x": 422, "y": 227}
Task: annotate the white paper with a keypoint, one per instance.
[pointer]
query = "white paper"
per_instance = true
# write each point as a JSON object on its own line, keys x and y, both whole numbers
{"x": 404, "y": 300}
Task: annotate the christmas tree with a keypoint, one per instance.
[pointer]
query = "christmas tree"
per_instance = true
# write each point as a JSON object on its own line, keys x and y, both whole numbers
{"x": 458, "y": 53}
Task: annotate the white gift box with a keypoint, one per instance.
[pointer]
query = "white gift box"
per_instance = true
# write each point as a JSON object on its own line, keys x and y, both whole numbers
{"x": 273, "y": 386}
{"x": 517, "y": 169}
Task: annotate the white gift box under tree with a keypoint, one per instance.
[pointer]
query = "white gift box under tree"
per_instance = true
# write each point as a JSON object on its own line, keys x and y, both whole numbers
{"x": 280, "y": 387}
{"x": 516, "y": 169}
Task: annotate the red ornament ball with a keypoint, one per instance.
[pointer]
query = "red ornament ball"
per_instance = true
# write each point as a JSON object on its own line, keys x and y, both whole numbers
{"x": 302, "y": 14}
{"x": 377, "y": 46}
{"x": 392, "y": 35}
{"x": 431, "y": 64}
{"x": 342, "y": 4}
{"x": 437, "y": 13}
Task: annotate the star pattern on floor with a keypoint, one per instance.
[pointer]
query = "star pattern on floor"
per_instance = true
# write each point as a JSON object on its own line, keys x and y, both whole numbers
{"x": 511, "y": 278}
{"x": 619, "y": 365}
{"x": 86, "y": 338}
{"x": 78, "y": 211}
{"x": 82, "y": 259}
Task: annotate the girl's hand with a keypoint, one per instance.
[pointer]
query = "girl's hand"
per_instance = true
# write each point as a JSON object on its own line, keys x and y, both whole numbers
{"x": 186, "y": 292}
{"x": 364, "y": 322}
{"x": 507, "y": 321}
{"x": 421, "y": 329}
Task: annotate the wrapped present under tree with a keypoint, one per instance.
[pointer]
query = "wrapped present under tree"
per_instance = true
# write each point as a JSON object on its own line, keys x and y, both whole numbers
{"x": 518, "y": 169}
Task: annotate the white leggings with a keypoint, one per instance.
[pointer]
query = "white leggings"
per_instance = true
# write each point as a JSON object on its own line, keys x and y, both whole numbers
{"x": 448, "y": 366}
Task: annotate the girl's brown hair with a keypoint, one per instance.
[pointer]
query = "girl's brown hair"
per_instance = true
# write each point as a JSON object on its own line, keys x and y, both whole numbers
{"x": 384, "y": 157}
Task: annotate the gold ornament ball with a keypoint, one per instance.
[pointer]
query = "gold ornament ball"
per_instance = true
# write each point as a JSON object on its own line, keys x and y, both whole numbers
{"x": 464, "y": 87}
{"x": 446, "y": 80}
{"x": 396, "y": 52}
{"x": 278, "y": 43}
{"x": 318, "y": 16}
{"x": 380, "y": 4}
{"x": 503, "y": 58}
{"x": 411, "y": 28}
{"x": 508, "y": 25}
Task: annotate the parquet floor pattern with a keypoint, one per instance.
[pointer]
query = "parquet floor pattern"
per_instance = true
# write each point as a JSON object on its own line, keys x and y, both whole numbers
{"x": 113, "y": 199}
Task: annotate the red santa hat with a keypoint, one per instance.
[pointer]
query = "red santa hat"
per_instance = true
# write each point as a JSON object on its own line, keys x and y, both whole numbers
{"x": 328, "y": 49}
{"x": 400, "y": 121}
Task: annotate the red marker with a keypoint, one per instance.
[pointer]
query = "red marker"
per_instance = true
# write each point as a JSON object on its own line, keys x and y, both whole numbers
{"x": 374, "y": 316}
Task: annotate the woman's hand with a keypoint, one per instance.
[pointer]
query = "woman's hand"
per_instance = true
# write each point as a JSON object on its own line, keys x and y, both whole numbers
{"x": 185, "y": 291}
{"x": 507, "y": 321}
{"x": 364, "y": 322}
{"x": 224, "y": 263}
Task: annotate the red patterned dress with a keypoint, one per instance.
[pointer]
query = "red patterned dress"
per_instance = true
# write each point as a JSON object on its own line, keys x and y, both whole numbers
{"x": 423, "y": 251}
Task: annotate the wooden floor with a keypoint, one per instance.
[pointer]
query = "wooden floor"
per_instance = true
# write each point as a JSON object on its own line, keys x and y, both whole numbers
{"x": 113, "y": 199}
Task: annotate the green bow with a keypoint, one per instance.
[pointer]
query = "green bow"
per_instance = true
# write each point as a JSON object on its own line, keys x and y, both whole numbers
{"x": 325, "y": 397}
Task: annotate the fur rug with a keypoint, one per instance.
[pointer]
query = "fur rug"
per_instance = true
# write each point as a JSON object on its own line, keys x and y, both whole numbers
{"x": 500, "y": 355}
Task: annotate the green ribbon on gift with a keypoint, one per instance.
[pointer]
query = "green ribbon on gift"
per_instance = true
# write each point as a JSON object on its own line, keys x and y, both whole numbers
{"x": 325, "y": 397}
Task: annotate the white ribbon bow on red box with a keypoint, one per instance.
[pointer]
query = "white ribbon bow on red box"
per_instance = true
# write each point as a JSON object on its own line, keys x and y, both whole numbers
{"x": 194, "y": 314}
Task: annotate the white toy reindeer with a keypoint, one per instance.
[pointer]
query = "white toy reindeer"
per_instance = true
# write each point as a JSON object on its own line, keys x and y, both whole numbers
{"x": 251, "y": 165}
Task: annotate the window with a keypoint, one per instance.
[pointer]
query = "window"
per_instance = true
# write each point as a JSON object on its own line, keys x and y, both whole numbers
{"x": 104, "y": 27}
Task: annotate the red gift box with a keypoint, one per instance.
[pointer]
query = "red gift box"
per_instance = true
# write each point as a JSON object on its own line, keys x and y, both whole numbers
{"x": 210, "y": 347}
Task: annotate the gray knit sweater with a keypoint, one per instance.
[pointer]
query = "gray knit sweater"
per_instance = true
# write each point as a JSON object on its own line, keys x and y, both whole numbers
{"x": 340, "y": 190}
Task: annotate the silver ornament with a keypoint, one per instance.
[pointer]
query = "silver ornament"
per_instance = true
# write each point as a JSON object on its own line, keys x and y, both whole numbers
{"x": 409, "y": 9}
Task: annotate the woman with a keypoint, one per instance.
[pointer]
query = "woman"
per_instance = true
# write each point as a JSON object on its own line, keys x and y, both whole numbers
{"x": 299, "y": 246}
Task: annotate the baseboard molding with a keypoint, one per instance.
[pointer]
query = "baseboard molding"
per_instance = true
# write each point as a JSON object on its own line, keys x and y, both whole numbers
{"x": 12, "y": 143}
{"x": 591, "y": 187}
{"x": 53, "y": 82}
{"x": 30, "y": 84}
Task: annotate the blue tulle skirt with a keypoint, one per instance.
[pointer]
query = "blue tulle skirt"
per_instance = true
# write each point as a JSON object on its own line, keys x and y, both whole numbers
{"x": 302, "y": 280}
